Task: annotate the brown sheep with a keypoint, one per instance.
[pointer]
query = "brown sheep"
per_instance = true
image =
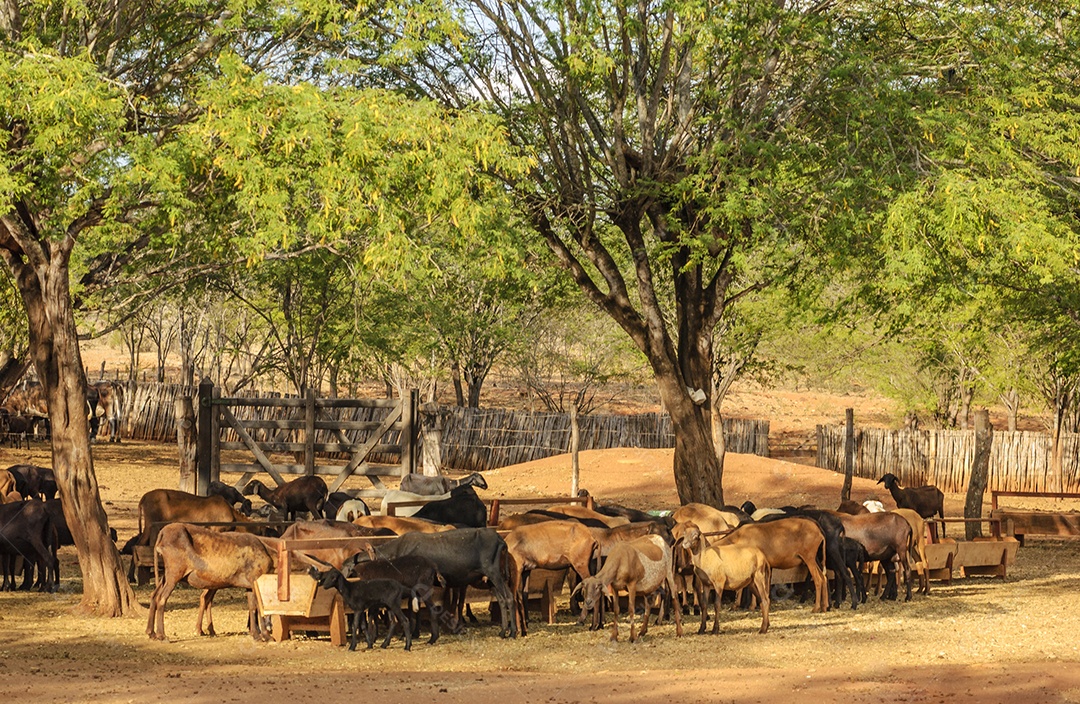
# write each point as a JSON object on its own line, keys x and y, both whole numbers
{"x": 641, "y": 566}
{"x": 210, "y": 561}
{"x": 730, "y": 567}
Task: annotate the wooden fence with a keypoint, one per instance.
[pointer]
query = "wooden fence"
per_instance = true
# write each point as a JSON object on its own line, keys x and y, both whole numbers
{"x": 479, "y": 439}
{"x": 1018, "y": 461}
{"x": 472, "y": 439}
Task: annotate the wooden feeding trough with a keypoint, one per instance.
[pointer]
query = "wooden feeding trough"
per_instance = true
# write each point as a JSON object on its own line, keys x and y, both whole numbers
{"x": 1021, "y": 523}
{"x": 305, "y": 607}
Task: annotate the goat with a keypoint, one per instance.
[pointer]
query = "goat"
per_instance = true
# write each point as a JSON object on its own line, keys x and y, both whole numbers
{"x": 395, "y": 496}
{"x": 231, "y": 495}
{"x": 855, "y": 559}
{"x": 301, "y": 494}
{"x": 884, "y": 535}
{"x": 463, "y": 508}
{"x": 463, "y": 556}
{"x": 924, "y": 500}
{"x": 641, "y": 566}
{"x": 727, "y": 567}
{"x": 351, "y": 510}
{"x": 210, "y": 561}
{"x": 414, "y": 572}
{"x": 543, "y": 513}
{"x": 552, "y": 545}
{"x": 434, "y": 486}
{"x": 27, "y": 531}
{"x": 400, "y": 525}
{"x": 7, "y": 484}
{"x": 63, "y": 534}
{"x": 632, "y": 514}
{"x": 19, "y": 429}
{"x": 365, "y": 596}
{"x": 787, "y": 543}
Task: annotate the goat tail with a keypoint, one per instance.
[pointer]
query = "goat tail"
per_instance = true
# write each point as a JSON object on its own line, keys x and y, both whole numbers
{"x": 415, "y": 600}
{"x": 440, "y": 580}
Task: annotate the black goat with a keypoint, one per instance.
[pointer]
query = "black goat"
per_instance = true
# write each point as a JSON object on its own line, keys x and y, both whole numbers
{"x": 26, "y": 531}
{"x": 366, "y": 596}
{"x": 833, "y": 530}
{"x": 556, "y": 516}
{"x": 463, "y": 557}
{"x": 302, "y": 494}
{"x": 924, "y": 500}
{"x": 414, "y": 572}
{"x": 856, "y": 558}
{"x": 462, "y": 508}
{"x": 55, "y": 510}
{"x": 231, "y": 495}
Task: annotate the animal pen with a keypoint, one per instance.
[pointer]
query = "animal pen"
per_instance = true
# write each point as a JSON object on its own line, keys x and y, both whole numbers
{"x": 377, "y": 438}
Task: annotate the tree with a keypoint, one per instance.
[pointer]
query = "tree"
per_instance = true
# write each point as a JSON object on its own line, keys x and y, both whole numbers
{"x": 686, "y": 158}
{"x": 170, "y": 143}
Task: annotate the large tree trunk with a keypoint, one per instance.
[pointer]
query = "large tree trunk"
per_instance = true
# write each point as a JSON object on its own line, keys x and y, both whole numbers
{"x": 41, "y": 272}
{"x": 980, "y": 472}
{"x": 698, "y": 469}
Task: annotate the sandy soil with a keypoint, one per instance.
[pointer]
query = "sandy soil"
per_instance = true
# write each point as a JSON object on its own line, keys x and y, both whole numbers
{"x": 979, "y": 639}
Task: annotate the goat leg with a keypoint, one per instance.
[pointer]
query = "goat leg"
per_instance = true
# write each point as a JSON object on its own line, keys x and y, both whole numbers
{"x": 206, "y": 601}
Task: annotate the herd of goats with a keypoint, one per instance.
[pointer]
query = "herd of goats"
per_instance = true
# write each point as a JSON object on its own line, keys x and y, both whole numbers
{"x": 432, "y": 541}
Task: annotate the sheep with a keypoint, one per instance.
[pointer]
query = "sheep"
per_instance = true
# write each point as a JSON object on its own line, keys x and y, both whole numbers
{"x": 551, "y": 545}
{"x": 852, "y": 507}
{"x": 728, "y": 567}
{"x": 583, "y": 513}
{"x": 463, "y": 556}
{"x": 641, "y": 566}
{"x": 395, "y": 496}
{"x": 434, "y": 486}
{"x": 400, "y": 525}
{"x": 787, "y": 543}
{"x": 917, "y": 547}
{"x": 351, "y": 510}
{"x": 463, "y": 508}
{"x": 210, "y": 561}
{"x": 323, "y": 528}
{"x": 364, "y": 596}
{"x": 332, "y": 507}
{"x": 924, "y": 500}
{"x": 871, "y": 506}
{"x": 884, "y": 535}
{"x": 414, "y": 572}
{"x": 27, "y": 531}
{"x": 707, "y": 518}
{"x": 231, "y": 495}
{"x": 301, "y": 494}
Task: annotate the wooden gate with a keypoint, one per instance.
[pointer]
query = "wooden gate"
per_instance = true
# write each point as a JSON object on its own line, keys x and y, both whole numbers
{"x": 305, "y": 428}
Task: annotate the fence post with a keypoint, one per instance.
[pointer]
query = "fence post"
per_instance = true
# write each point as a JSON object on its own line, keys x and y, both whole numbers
{"x": 410, "y": 406}
{"x": 431, "y": 447}
{"x": 187, "y": 442}
{"x": 980, "y": 470}
{"x": 575, "y": 442}
{"x": 849, "y": 453}
{"x": 206, "y": 442}
{"x": 309, "y": 431}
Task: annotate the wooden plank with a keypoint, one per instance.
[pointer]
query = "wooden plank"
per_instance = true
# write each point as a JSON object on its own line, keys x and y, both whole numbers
{"x": 251, "y": 445}
{"x": 361, "y": 453}
{"x": 324, "y": 447}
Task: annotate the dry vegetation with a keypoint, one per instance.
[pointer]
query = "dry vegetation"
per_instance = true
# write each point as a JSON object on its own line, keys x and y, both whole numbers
{"x": 1012, "y": 640}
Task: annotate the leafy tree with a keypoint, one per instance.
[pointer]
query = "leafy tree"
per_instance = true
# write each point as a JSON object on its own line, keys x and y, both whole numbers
{"x": 687, "y": 157}
{"x": 172, "y": 142}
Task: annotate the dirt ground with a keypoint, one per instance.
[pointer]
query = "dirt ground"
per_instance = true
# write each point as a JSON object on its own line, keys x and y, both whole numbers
{"x": 978, "y": 639}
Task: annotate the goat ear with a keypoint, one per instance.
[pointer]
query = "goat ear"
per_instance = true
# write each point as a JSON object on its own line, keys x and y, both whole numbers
{"x": 611, "y": 590}
{"x": 576, "y": 589}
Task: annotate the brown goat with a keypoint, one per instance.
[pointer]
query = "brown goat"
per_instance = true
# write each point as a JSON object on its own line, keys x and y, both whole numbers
{"x": 523, "y": 519}
{"x": 927, "y": 501}
{"x": 640, "y": 566}
{"x": 301, "y": 494}
{"x": 788, "y": 543}
{"x": 551, "y": 545}
{"x": 885, "y": 536}
{"x": 400, "y": 525}
{"x": 210, "y": 561}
